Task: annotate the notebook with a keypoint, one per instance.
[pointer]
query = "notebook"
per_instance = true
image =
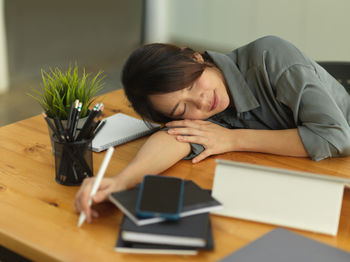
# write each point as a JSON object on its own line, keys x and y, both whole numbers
{"x": 196, "y": 200}
{"x": 284, "y": 245}
{"x": 119, "y": 129}
{"x": 189, "y": 231}
{"x": 281, "y": 197}
{"x": 143, "y": 248}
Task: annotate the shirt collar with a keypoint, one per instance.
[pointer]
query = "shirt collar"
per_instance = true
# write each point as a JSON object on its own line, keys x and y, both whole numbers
{"x": 243, "y": 97}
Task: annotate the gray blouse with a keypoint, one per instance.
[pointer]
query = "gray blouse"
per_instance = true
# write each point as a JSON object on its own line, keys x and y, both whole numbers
{"x": 275, "y": 86}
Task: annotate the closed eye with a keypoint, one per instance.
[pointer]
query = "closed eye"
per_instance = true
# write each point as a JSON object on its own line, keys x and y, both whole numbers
{"x": 191, "y": 86}
{"x": 174, "y": 109}
{"x": 183, "y": 111}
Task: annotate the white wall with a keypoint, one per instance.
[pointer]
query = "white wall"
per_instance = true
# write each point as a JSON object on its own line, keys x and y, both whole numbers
{"x": 156, "y": 21}
{"x": 320, "y": 28}
{"x": 3, "y": 52}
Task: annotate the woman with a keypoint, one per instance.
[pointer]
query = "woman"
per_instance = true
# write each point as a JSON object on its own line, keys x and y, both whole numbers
{"x": 265, "y": 97}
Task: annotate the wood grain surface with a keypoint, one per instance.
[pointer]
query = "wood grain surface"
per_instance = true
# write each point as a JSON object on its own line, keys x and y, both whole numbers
{"x": 37, "y": 219}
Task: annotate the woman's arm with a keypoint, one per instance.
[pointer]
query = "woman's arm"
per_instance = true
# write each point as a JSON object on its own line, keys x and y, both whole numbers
{"x": 285, "y": 142}
{"x": 160, "y": 152}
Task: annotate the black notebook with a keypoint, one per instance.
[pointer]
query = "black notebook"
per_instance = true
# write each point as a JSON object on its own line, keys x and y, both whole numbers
{"x": 188, "y": 231}
{"x": 142, "y": 248}
{"x": 195, "y": 201}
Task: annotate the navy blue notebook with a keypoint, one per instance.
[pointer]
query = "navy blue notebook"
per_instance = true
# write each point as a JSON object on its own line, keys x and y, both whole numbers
{"x": 142, "y": 248}
{"x": 196, "y": 200}
{"x": 188, "y": 231}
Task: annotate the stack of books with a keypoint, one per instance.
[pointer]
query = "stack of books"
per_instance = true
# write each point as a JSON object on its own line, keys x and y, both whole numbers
{"x": 192, "y": 232}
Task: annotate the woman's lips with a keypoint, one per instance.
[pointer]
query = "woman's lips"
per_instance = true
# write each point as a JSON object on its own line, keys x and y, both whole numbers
{"x": 215, "y": 102}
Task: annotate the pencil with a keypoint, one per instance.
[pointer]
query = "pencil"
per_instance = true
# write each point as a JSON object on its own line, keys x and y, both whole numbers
{"x": 86, "y": 127}
{"x": 99, "y": 127}
{"x": 73, "y": 117}
{"x": 54, "y": 130}
{"x": 69, "y": 116}
{"x": 76, "y": 120}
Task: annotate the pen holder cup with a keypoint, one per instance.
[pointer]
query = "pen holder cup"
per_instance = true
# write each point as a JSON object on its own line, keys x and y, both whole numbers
{"x": 81, "y": 122}
{"x": 73, "y": 162}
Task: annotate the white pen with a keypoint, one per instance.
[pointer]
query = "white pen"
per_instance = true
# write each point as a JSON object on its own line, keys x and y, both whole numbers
{"x": 97, "y": 182}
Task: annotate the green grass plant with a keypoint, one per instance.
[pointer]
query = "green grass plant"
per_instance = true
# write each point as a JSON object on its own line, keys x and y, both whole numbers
{"x": 59, "y": 89}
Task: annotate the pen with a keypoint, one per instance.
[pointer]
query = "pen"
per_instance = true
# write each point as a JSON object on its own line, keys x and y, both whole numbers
{"x": 60, "y": 129}
{"x": 54, "y": 130}
{"x": 99, "y": 127}
{"x": 92, "y": 129}
{"x": 86, "y": 127}
{"x": 97, "y": 182}
{"x": 100, "y": 109}
{"x": 75, "y": 121}
{"x": 98, "y": 112}
{"x": 69, "y": 116}
{"x": 73, "y": 117}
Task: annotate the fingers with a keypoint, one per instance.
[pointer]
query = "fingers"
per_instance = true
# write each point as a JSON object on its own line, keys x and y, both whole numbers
{"x": 197, "y": 140}
{"x": 101, "y": 196}
{"x": 184, "y": 131}
{"x": 85, "y": 205}
{"x": 82, "y": 199}
{"x": 192, "y": 139}
{"x": 79, "y": 195}
{"x": 94, "y": 213}
{"x": 201, "y": 156}
{"x": 81, "y": 202}
{"x": 188, "y": 127}
{"x": 186, "y": 123}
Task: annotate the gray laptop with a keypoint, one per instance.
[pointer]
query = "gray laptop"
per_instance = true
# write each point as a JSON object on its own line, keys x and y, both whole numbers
{"x": 281, "y": 245}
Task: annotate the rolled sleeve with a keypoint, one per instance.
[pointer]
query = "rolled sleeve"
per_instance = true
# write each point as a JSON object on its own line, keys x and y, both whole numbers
{"x": 196, "y": 149}
{"x": 322, "y": 124}
{"x": 324, "y": 130}
{"x": 315, "y": 145}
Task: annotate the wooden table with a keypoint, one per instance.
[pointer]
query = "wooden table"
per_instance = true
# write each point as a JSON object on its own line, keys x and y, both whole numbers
{"x": 37, "y": 219}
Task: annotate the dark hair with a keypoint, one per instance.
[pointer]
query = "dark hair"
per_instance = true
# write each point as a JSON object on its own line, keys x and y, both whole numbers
{"x": 158, "y": 69}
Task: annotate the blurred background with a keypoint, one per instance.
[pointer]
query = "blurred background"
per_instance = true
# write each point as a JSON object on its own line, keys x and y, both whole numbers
{"x": 99, "y": 35}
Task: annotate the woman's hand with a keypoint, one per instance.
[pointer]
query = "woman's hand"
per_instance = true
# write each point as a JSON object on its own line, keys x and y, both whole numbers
{"x": 215, "y": 139}
{"x": 107, "y": 186}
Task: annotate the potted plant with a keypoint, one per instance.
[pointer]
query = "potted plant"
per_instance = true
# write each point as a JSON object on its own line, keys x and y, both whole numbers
{"x": 60, "y": 89}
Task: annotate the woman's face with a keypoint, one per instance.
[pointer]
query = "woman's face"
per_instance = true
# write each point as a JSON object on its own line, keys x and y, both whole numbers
{"x": 206, "y": 97}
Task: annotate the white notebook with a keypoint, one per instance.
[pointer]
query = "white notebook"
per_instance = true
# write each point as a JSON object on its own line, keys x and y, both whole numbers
{"x": 119, "y": 129}
{"x": 277, "y": 196}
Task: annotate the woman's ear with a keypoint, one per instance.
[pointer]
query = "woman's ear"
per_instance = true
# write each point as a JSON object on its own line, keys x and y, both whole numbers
{"x": 198, "y": 57}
